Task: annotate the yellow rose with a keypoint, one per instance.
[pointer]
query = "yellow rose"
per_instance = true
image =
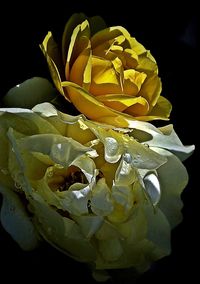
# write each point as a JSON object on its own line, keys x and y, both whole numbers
{"x": 107, "y": 74}
{"x": 99, "y": 194}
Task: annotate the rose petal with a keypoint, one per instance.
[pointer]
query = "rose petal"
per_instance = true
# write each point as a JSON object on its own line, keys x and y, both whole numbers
{"x": 50, "y": 50}
{"x": 109, "y": 34}
{"x": 74, "y": 20}
{"x": 91, "y": 107}
{"x": 171, "y": 188}
{"x": 61, "y": 232}
{"x": 122, "y": 102}
{"x": 162, "y": 108}
{"x": 151, "y": 89}
{"x": 79, "y": 41}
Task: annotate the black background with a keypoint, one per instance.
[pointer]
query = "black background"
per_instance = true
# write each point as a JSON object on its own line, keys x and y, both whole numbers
{"x": 171, "y": 34}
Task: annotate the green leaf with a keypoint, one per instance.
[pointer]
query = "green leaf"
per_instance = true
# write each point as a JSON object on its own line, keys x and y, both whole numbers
{"x": 30, "y": 93}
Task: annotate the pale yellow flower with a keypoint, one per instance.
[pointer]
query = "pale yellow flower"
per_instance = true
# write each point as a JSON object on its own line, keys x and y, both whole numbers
{"x": 105, "y": 72}
{"x": 102, "y": 195}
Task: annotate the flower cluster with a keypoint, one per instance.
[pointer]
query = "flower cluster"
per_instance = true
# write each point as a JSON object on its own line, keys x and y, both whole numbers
{"x": 104, "y": 186}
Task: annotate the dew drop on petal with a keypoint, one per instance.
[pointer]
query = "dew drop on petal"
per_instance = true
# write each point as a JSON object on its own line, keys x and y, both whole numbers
{"x": 112, "y": 154}
{"x": 152, "y": 187}
{"x": 127, "y": 158}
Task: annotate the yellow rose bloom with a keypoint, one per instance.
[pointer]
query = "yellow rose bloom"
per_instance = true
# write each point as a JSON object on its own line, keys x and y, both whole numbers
{"x": 105, "y": 72}
{"x": 102, "y": 195}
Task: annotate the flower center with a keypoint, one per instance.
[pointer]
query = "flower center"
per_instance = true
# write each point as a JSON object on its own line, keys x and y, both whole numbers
{"x": 62, "y": 180}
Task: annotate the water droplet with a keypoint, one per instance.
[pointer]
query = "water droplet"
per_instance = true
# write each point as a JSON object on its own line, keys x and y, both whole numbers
{"x": 112, "y": 154}
{"x": 127, "y": 158}
{"x": 152, "y": 187}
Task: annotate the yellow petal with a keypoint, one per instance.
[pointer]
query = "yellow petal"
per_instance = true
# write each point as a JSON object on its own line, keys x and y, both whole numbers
{"x": 104, "y": 77}
{"x": 121, "y": 102}
{"x": 73, "y": 21}
{"x": 81, "y": 69}
{"x": 151, "y": 89}
{"x": 131, "y": 58}
{"x": 133, "y": 81}
{"x": 137, "y": 47}
{"x": 109, "y": 51}
{"x": 141, "y": 107}
{"x": 162, "y": 109}
{"x": 109, "y": 34}
{"x": 79, "y": 41}
{"x": 77, "y": 133}
{"x": 147, "y": 63}
{"x": 91, "y": 107}
{"x": 50, "y": 50}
